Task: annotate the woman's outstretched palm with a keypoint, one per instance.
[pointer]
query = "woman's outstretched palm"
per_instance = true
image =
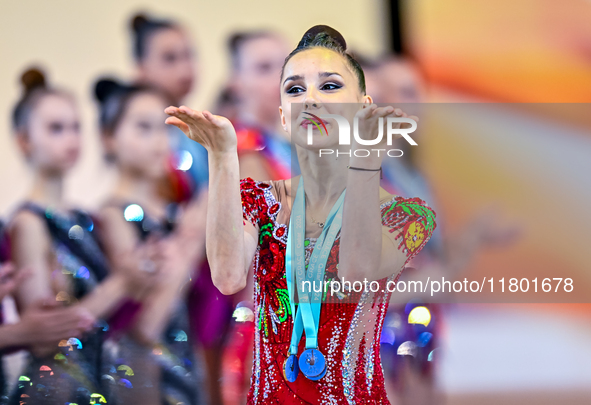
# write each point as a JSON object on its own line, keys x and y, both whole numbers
{"x": 214, "y": 132}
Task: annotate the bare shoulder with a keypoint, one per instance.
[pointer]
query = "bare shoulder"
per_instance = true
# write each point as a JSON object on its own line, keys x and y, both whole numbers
{"x": 28, "y": 223}
{"x": 115, "y": 233}
{"x": 282, "y": 190}
{"x": 28, "y": 231}
{"x": 112, "y": 221}
{"x": 287, "y": 186}
{"x": 385, "y": 196}
{"x": 110, "y": 213}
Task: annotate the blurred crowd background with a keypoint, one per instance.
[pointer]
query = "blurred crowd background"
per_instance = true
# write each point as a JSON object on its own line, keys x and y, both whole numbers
{"x": 507, "y": 56}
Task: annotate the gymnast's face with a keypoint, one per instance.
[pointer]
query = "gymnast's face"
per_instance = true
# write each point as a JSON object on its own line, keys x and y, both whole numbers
{"x": 318, "y": 81}
{"x": 169, "y": 64}
{"x": 140, "y": 141}
{"x": 52, "y": 141}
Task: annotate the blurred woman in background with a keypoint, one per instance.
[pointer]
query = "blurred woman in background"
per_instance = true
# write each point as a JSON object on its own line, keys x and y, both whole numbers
{"x": 165, "y": 59}
{"x": 41, "y": 325}
{"x": 157, "y": 351}
{"x": 55, "y": 243}
{"x": 263, "y": 145}
{"x": 409, "y": 342}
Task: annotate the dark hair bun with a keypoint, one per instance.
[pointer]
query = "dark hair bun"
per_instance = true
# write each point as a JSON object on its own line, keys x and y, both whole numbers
{"x": 313, "y": 32}
{"x": 33, "y": 79}
{"x": 139, "y": 21}
{"x": 104, "y": 88}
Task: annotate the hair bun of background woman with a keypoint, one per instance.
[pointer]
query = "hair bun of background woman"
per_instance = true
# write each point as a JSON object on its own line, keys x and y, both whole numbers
{"x": 104, "y": 88}
{"x": 138, "y": 21}
{"x": 33, "y": 79}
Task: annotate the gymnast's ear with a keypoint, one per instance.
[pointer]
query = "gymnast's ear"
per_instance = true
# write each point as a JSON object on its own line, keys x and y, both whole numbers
{"x": 108, "y": 141}
{"x": 283, "y": 120}
{"x": 23, "y": 143}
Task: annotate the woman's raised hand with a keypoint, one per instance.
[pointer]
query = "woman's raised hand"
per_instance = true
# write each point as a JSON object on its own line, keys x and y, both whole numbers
{"x": 214, "y": 132}
{"x": 369, "y": 121}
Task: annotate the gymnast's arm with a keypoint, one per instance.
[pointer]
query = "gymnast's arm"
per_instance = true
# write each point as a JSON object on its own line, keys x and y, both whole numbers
{"x": 230, "y": 242}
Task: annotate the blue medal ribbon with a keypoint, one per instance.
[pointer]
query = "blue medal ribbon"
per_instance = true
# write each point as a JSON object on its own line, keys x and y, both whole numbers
{"x": 307, "y": 316}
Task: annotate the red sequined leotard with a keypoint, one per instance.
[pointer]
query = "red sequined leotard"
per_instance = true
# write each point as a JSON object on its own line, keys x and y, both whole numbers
{"x": 350, "y": 324}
